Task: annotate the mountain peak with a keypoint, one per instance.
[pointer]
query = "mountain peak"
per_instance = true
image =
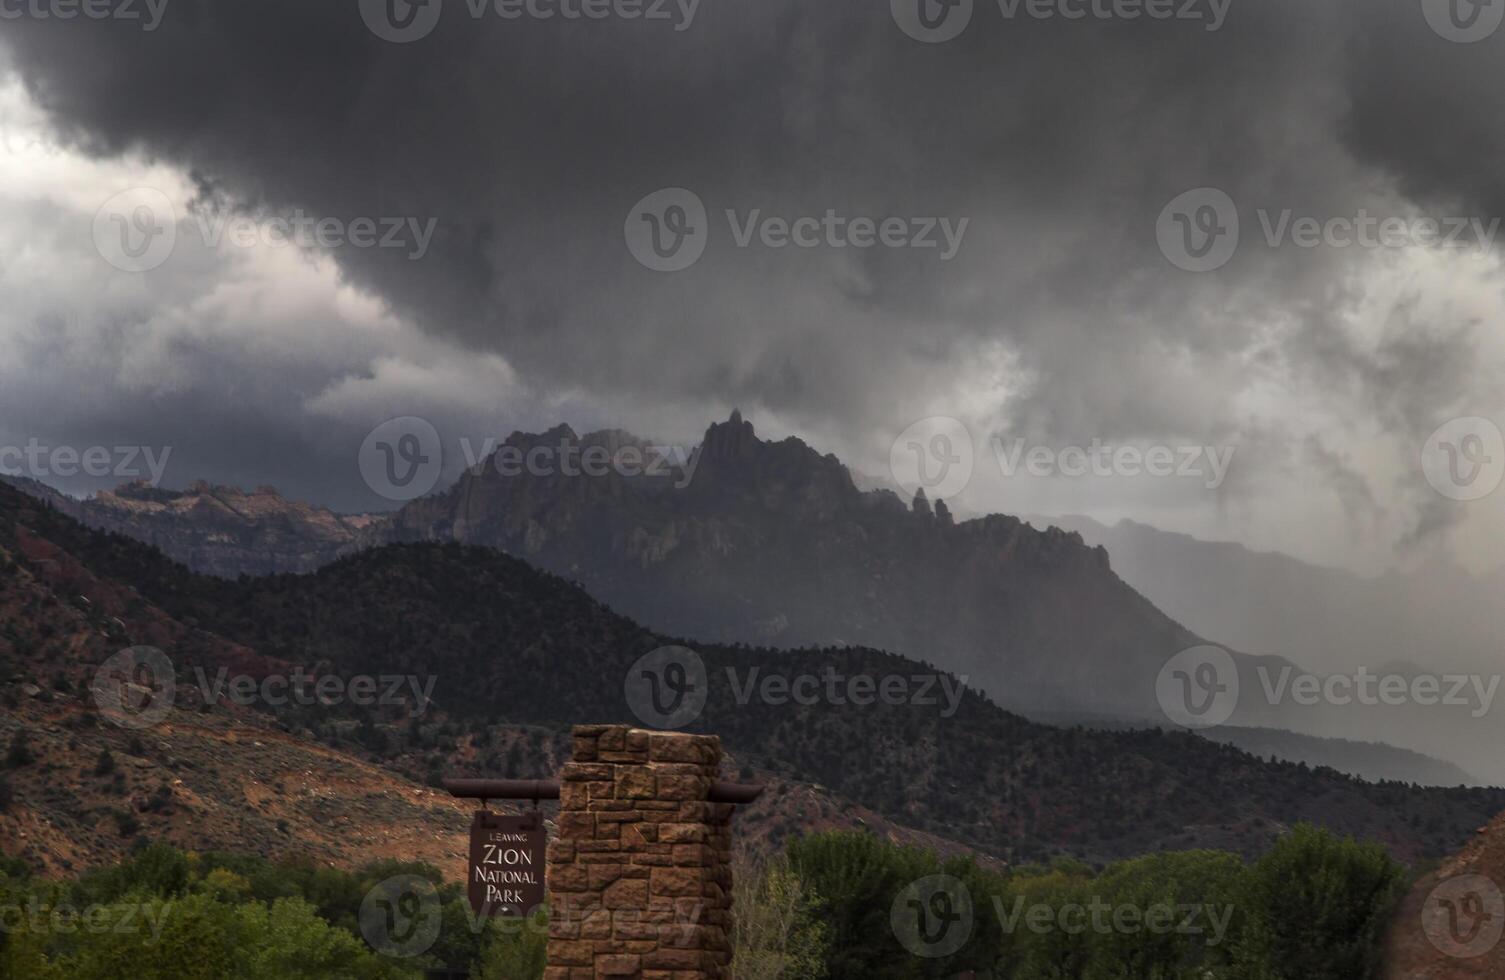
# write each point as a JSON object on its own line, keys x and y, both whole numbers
{"x": 733, "y": 439}
{"x": 563, "y": 432}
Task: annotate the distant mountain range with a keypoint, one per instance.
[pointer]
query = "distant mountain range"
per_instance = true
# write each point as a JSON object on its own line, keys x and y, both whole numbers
{"x": 750, "y": 542}
{"x": 325, "y": 784}
{"x": 217, "y": 530}
{"x": 510, "y": 646}
{"x": 1326, "y": 618}
{"x": 772, "y": 543}
{"x": 1435, "y": 619}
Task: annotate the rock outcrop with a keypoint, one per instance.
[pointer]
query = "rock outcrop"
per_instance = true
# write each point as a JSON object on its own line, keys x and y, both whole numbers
{"x": 218, "y": 530}
{"x": 1452, "y": 924}
{"x": 743, "y": 540}
{"x": 769, "y": 542}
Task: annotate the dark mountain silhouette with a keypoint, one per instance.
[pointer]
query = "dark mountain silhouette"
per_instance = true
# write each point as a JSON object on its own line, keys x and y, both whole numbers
{"x": 508, "y": 644}
{"x": 326, "y": 783}
{"x": 772, "y": 543}
{"x": 1374, "y": 761}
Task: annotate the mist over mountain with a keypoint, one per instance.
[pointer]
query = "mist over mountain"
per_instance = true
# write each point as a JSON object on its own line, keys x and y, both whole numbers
{"x": 373, "y": 344}
{"x": 761, "y": 542}
{"x": 507, "y": 644}
{"x": 772, "y": 543}
{"x": 745, "y": 540}
{"x": 1434, "y": 622}
{"x": 308, "y": 782}
{"x": 1434, "y": 616}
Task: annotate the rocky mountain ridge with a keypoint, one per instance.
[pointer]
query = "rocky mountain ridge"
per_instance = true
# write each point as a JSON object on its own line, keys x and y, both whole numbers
{"x": 214, "y": 774}
{"x": 218, "y": 530}
{"x": 511, "y": 646}
{"x": 764, "y": 542}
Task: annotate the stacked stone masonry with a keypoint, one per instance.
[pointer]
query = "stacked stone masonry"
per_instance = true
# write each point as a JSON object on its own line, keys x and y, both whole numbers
{"x": 639, "y": 874}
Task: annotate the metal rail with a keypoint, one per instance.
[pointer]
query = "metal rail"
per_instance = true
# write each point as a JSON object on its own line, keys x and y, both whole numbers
{"x": 548, "y": 789}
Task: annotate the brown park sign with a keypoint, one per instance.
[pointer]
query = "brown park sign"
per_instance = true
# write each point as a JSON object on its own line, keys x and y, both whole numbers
{"x": 506, "y": 872}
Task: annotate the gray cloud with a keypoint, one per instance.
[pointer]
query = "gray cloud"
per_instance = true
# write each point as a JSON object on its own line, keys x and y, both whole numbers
{"x": 1060, "y": 141}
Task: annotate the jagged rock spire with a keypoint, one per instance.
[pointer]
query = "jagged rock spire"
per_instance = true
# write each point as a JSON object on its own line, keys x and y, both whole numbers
{"x": 943, "y": 513}
{"x": 922, "y": 503}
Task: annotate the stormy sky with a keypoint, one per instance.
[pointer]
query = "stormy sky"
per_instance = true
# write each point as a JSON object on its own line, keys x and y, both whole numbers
{"x": 507, "y": 153}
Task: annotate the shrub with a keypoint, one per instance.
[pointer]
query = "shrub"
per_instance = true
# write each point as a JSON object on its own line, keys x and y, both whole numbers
{"x": 515, "y": 950}
{"x": 778, "y": 934}
{"x": 858, "y": 878}
{"x": 1317, "y": 908}
{"x": 20, "y": 753}
{"x": 127, "y": 823}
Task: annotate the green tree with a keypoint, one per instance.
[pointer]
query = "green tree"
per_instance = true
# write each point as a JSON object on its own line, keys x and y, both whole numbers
{"x": 777, "y": 934}
{"x": 1180, "y": 917}
{"x": 288, "y": 941}
{"x": 1317, "y": 908}
{"x": 156, "y": 870}
{"x": 1036, "y": 945}
{"x": 858, "y": 876}
{"x": 202, "y": 937}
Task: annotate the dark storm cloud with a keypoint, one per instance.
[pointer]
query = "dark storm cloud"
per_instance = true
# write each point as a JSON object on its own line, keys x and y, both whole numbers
{"x": 1060, "y": 141}
{"x": 1432, "y": 113}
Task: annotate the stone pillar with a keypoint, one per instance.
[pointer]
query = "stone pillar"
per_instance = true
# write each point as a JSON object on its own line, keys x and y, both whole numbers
{"x": 639, "y": 874}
